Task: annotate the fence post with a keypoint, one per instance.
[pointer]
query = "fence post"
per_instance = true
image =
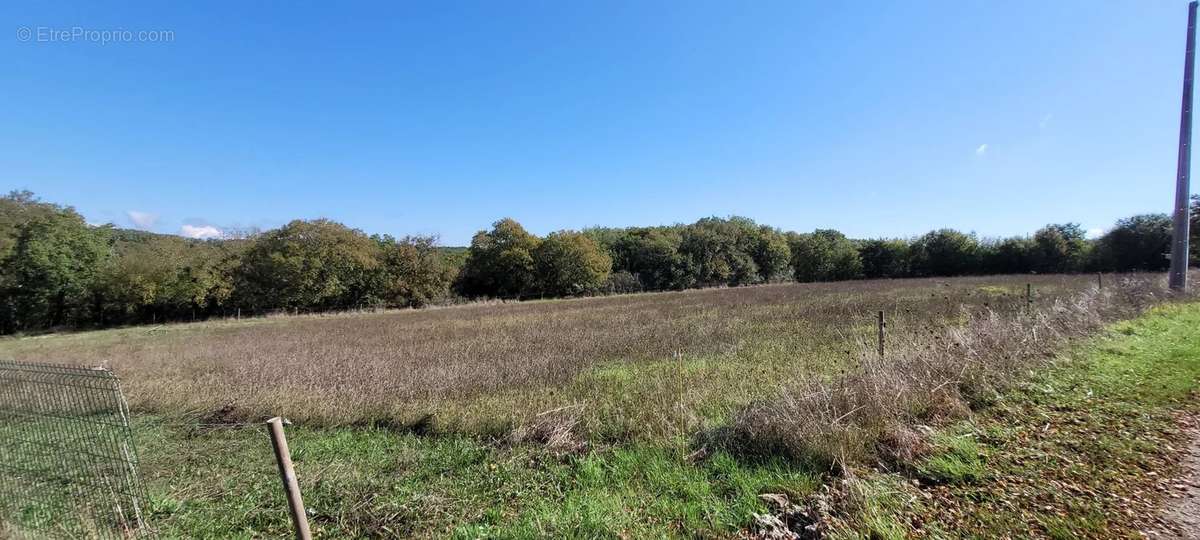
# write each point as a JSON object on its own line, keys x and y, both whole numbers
{"x": 1099, "y": 280}
{"x": 882, "y": 331}
{"x": 1029, "y": 296}
{"x": 287, "y": 474}
{"x": 682, "y": 417}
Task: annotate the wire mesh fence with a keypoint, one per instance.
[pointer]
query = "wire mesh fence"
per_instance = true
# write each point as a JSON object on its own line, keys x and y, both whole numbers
{"x": 68, "y": 468}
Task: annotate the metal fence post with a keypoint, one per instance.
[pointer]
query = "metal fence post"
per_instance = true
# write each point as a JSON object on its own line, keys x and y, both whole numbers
{"x": 287, "y": 474}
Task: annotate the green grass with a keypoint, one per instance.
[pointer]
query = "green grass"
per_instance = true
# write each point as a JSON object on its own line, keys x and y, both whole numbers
{"x": 1068, "y": 454}
{"x": 371, "y": 483}
{"x": 955, "y": 458}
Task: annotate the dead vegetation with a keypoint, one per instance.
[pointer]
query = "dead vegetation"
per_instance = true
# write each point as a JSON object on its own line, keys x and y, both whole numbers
{"x": 881, "y": 408}
{"x": 639, "y": 366}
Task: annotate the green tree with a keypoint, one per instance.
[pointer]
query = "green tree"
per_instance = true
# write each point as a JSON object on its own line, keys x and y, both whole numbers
{"x": 608, "y": 238}
{"x": 1016, "y": 255}
{"x": 1141, "y": 242}
{"x": 570, "y": 263}
{"x": 945, "y": 252}
{"x": 884, "y": 258}
{"x": 1060, "y": 248}
{"x": 771, "y": 253}
{"x": 651, "y": 255}
{"x": 824, "y": 255}
{"x": 317, "y": 265}
{"x": 134, "y": 283}
{"x": 414, "y": 271}
{"x": 164, "y": 277}
{"x": 718, "y": 251}
{"x": 16, "y": 209}
{"x": 46, "y": 280}
{"x": 500, "y": 262}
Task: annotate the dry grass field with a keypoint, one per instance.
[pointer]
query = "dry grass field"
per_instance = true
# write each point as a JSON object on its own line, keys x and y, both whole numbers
{"x": 647, "y": 366}
{"x": 714, "y": 413}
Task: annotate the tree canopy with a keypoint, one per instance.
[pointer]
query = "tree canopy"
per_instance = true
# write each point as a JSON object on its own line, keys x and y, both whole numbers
{"x": 569, "y": 264}
{"x": 824, "y": 255}
{"x": 316, "y": 264}
{"x": 57, "y": 270}
{"x": 47, "y": 277}
{"x": 500, "y": 262}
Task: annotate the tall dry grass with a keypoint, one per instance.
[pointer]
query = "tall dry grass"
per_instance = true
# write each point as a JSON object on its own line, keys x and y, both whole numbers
{"x": 878, "y": 409}
{"x": 618, "y": 363}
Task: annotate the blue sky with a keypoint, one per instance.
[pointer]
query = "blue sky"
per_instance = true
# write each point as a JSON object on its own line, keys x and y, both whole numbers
{"x": 874, "y": 118}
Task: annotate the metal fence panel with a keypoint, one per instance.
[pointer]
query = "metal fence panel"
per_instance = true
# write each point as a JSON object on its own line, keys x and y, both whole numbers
{"x": 68, "y": 467}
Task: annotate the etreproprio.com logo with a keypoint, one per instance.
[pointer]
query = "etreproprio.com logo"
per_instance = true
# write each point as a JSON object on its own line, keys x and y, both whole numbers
{"x": 50, "y": 34}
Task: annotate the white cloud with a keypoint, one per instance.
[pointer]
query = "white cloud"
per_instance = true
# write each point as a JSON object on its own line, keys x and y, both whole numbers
{"x": 1045, "y": 121}
{"x": 200, "y": 232}
{"x": 981, "y": 150}
{"x": 1094, "y": 233}
{"x": 142, "y": 220}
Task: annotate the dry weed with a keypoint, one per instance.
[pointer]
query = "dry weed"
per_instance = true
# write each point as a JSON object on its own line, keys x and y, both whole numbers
{"x": 875, "y": 409}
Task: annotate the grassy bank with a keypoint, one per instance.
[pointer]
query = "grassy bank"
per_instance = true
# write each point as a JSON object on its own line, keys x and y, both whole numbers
{"x": 1083, "y": 450}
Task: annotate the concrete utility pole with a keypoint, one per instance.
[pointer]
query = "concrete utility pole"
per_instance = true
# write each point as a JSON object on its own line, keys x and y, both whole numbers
{"x": 1179, "y": 240}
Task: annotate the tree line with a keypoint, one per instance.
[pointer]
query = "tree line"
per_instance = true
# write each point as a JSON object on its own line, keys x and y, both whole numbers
{"x": 58, "y": 271}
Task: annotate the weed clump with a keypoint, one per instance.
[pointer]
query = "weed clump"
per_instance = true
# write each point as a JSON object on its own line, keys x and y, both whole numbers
{"x": 555, "y": 429}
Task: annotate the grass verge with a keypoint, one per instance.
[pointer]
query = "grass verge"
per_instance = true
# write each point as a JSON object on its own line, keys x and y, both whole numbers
{"x": 1082, "y": 450}
{"x": 370, "y": 483}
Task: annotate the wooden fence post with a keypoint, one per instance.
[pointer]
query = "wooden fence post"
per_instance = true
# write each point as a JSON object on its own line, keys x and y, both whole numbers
{"x": 1099, "y": 280}
{"x": 287, "y": 474}
{"x": 882, "y": 331}
{"x": 1029, "y": 296}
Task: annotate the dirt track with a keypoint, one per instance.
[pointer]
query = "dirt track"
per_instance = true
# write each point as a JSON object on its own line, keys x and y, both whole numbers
{"x": 1182, "y": 509}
